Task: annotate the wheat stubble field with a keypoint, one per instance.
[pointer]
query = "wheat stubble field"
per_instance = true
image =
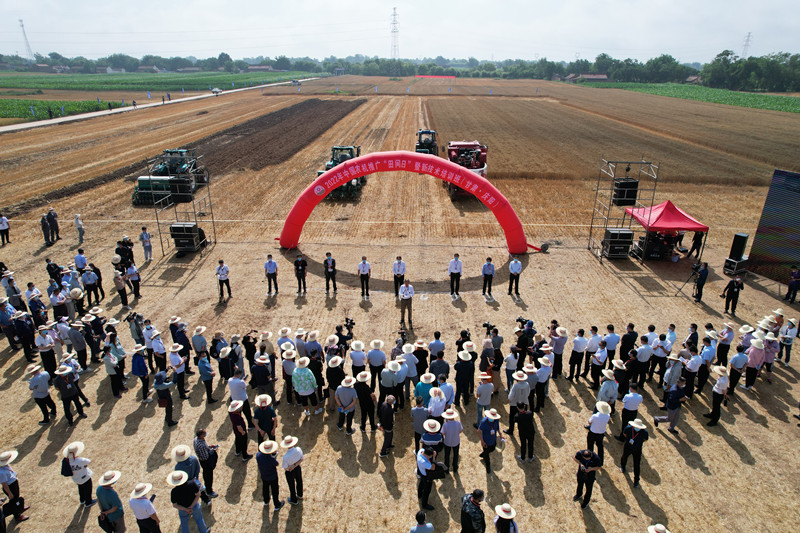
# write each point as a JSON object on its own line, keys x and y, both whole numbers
{"x": 544, "y": 149}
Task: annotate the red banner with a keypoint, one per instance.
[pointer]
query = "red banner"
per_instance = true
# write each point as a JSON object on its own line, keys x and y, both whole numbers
{"x": 436, "y": 77}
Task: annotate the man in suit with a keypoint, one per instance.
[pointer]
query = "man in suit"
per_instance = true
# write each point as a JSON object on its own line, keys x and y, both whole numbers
{"x": 731, "y": 294}
{"x": 329, "y": 265}
{"x": 702, "y": 276}
{"x": 300, "y": 267}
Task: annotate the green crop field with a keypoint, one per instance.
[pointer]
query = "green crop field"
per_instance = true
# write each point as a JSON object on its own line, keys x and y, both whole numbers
{"x": 790, "y": 104}
{"x": 11, "y": 108}
{"x": 195, "y": 81}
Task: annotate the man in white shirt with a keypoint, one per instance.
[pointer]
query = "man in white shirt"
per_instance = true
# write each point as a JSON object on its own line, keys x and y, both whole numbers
{"x": 720, "y": 393}
{"x": 591, "y": 348}
{"x": 237, "y": 386}
{"x": 4, "y": 230}
{"x": 630, "y": 408}
{"x": 132, "y": 274}
{"x": 690, "y": 370}
{"x": 178, "y": 362}
{"x": 597, "y": 425}
{"x": 652, "y": 336}
{"x": 399, "y": 271}
{"x": 725, "y": 338}
{"x": 658, "y": 363}
{"x": 598, "y": 362}
{"x": 455, "y": 269}
{"x": 643, "y": 355}
{"x": 514, "y": 270}
{"x": 143, "y": 509}
{"x": 291, "y": 464}
{"x": 147, "y": 245}
{"x": 579, "y": 344}
{"x": 222, "y": 277}
{"x": 406, "y": 298}
{"x": 364, "y": 270}
{"x": 786, "y": 335}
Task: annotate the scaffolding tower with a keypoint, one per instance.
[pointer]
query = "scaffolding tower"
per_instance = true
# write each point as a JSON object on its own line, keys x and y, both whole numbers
{"x": 613, "y": 195}
{"x": 182, "y": 214}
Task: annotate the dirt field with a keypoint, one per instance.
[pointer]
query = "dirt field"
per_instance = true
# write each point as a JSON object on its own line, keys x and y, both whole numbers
{"x": 411, "y": 215}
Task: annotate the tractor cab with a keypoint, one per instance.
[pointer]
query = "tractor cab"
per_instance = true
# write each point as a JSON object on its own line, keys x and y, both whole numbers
{"x": 426, "y": 142}
{"x": 351, "y": 189}
{"x": 340, "y": 154}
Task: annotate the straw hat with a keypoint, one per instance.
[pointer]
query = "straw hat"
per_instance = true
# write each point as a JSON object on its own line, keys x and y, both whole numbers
{"x": 287, "y": 346}
{"x": 435, "y": 391}
{"x": 764, "y": 324}
{"x": 141, "y": 489}
{"x": 8, "y": 457}
{"x": 348, "y": 381}
{"x": 544, "y": 361}
{"x": 408, "y": 348}
{"x": 30, "y": 369}
{"x": 618, "y": 364}
{"x": 529, "y": 368}
{"x": 138, "y": 347}
{"x": 263, "y": 400}
{"x": 465, "y": 356}
{"x": 181, "y": 452}
{"x": 235, "y": 406}
{"x": 770, "y": 319}
{"x": 312, "y": 335}
{"x": 96, "y": 311}
{"x": 712, "y": 335}
{"x": 637, "y": 423}
{"x": 86, "y": 319}
{"x": 178, "y": 347}
{"x": 76, "y": 294}
{"x": 469, "y": 346}
{"x": 363, "y": 377}
{"x": 730, "y": 325}
{"x": 394, "y": 366}
{"x": 334, "y": 362}
{"x": 484, "y": 375}
{"x": 760, "y": 335}
{"x": 608, "y": 373}
{"x": 603, "y": 407}
{"x": 285, "y": 332}
{"x": 112, "y": 476}
{"x": 546, "y": 348}
{"x": 223, "y": 353}
{"x": 8, "y": 274}
{"x": 505, "y": 511}
{"x": 174, "y": 319}
{"x": 450, "y": 414}
{"x": 116, "y": 259}
{"x": 432, "y": 426}
{"x": 357, "y": 346}
{"x": 420, "y": 343}
{"x": 76, "y": 324}
{"x": 332, "y": 340}
{"x": 76, "y": 448}
{"x": 721, "y": 370}
{"x": 265, "y": 335}
{"x": 112, "y": 322}
{"x": 747, "y": 328}
{"x": 492, "y": 414}
{"x": 177, "y": 478}
{"x": 67, "y": 356}
{"x": 236, "y": 337}
{"x": 289, "y": 441}
{"x": 303, "y": 362}
{"x": 50, "y": 323}
{"x": 778, "y": 312}
{"x": 771, "y": 336}
{"x": 263, "y": 359}
{"x": 519, "y": 376}
{"x": 268, "y": 447}
{"x": 63, "y": 370}
{"x": 562, "y": 332}
{"x": 793, "y": 321}
{"x": 673, "y": 357}
{"x": 537, "y": 337}
{"x": 427, "y": 377}
{"x": 658, "y": 528}
{"x": 42, "y": 328}
{"x": 377, "y": 344}
{"x": 199, "y": 330}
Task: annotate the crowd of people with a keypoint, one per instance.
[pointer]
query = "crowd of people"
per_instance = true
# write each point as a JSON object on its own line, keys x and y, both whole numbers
{"x": 436, "y": 382}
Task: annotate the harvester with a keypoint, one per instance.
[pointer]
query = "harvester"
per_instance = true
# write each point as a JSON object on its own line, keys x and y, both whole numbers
{"x": 351, "y": 189}
{"x": 175, "y": 172}
{"x": 470, "y": 155}
{"x": 426, "y": 143}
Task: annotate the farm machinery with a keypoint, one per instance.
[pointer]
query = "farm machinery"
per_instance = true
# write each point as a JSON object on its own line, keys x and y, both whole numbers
{"x": 426, "y": 142}
{"x": 175, "y": 172}
{"x": 351, "y": 189}
{"x": 470, "y": 155}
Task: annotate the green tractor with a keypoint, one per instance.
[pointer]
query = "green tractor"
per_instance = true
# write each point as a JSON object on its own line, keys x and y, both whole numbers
{"x": 426, "y": 142}
{"x": 352, "y": 189}
{"x": 175, "y": 172}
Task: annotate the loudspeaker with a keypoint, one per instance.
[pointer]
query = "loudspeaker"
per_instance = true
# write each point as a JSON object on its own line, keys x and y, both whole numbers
{"x": 619, "y": 235}
{"x": 738, "y": 246}
{"x": 625, "y": 191}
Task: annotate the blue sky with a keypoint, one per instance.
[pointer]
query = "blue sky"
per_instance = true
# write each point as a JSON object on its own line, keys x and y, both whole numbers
{"x": 689, "y": 30}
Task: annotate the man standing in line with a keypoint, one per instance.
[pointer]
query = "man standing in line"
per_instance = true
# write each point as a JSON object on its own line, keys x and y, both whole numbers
{"x": 222, "y": 277}
{"x": 630, "y": 407}
{"x": 132, "y": 275}
{"x": 185, "y": 497}
{"x": 792, "y": 285}
{"x": 377, "y": 360}
{"x": 591, "y": 349}
{"x": 514, "y": 270}
{"x": 186, "y": 462}
{"x": 488, "y": 276}
{"x": 300, "y": 267}
{"x": 487, "y": 430}
{"x": 52, "y": 221}
{"x": 4, "y": 230}
{"x": 346, "y": 398}
{"x": 786, "y": 334}
{"x": 598, "y": 423}
{"x": 110, "y": 504}
{"x": 612, "y": 340}
{"x": 268, "y": 468}
{"x": 527, "y": 432}
{"x": 147, "y": 244}
{"x": 719, "y": 393}
{"x": 207, "y": 456}
{"x": 451, "y": 438}
{"x": 627, "y": 343}
{"x": 675, "y": 398}
{"x": 364, "y": 270}
{"x": 454, "y": 269}
{"x": 472, "y": 518}
{"x": 425, "y": 473}
{"x": 725, "y": 339}
{"x": 635, "y": 433}
{"x": 702, "y": 276}
{"x": 143, "y": 509}
{"x": 406, "y": 291}
{"x": 39, "y": 383}
{"x": 386, "y": 424}
{"x": 292, "y": 458}
{"x": 731, "y": 294}
{"x": 271, "y": 272}
{"x": 588, "y": 465}
{"x": 399, "y": 271}
{"x": 329, "y": 265}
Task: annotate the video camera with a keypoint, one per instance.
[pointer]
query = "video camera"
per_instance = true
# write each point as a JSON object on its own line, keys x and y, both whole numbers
{"x": 522, "y": 321}
{"x": 489, "y": 327}
{"x": 696, "y": 268}
{"x": 349, "y": 323}
{"x": 403, "y": 335}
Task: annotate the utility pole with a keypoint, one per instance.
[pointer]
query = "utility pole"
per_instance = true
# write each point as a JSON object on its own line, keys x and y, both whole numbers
{"x": 746, "y": 48}
{"x": 395, "y": 28}
{"x": 27, "y": 44}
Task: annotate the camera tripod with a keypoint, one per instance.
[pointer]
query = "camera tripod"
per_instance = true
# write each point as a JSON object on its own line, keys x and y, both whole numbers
{"x": 691, "y": 276}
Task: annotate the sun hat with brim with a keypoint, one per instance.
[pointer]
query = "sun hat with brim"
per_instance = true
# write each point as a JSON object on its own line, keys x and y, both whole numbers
{"x": 408, "y": 348}
{"x": 235, "y": 406}
{"x": 50, "y": 323}
{"x": 223, "y": 353}
{"x": 3, "y": 300}
{"x": 116, "y": 260}
{"x": 263, "y": 400}
{"x": 263, "y": 359}
{"x": 546, "y": 348}
{"x": 141, "y": 489}
{"x": 505, "y": 511}
{"x": 608, "y": 374}
{"x": 484, "y": 375}
{"x": 178, "y": 347}
{"x": 67, "y": 356}
{"x": 770, "y": 318}
{"x": 432, "y": 426}
{"x": 268, "y": 447}
{"x": 335, "y": 361}
{"x": 76, "y": 324}
{"x": 86, "y": 319}
{"x": 377, "y": 344}
{"x": 8, "y": 457}
{"x": 76, "y": 294}
{"x": 348, "y": 382}
{"x": 394, "y": 366}
{"x": 427, "y": 377}
{"x": 603, "y": 407}
{"x": 562, "y": 332}
{"x": 181, "y": 452}
{"x": 300, "y": 332}
{"x": 712, "y": 335}
{"x": 729, "y": 324}
{"x": 357, "y": 346}
{"x": 42, "y": 328}
{"x": 529, "y": 368}
{"x": 112, "y": 322}
{"x": 637, "y": 423}
{"x": 236, "y": 337}
{"x": 492, "y": 414}
{"x": 519, "y": 376}
{"x": 747, "y": 328}
{"x": 37, "y": 296}
{"x": 450, "y": 414}
{"x": 96, "y": 311}
{"x": 174, "y": 319}
{"x": 289, "y": 441}
{"x": 332, "y": 340}
{"x": 8, "y": 274}
{"x": 760, "y": 335}
{"x": 793, "y": 321}
{"x": 771, "y": 336}
{"x": 63, "y": 370}
{"x": 658, "y": 528}
{"x": 778, "y": 312}
{"x": 265, "y": 335}
{"x": 465, "y": 356}
{"x": 363, "y": 377}
{"x": 177, "y": 478}
{"x": 30, "y": 369}
{"x": 111, "y": 477}
{"x": 76, "y": 448}
{"x": 420, "y": 343}
{"x": 469, "y": 346}
{"x": 138, "y": 347}
{"x": 764, "y": 324}
{"x": 618, "y": 364}
{"x": 435, "y": 391}
{"x": 545, "y": 361}
{"x": 199, "y": 330}
{"x": 312, "y": 335}
{"x": 284, "y": 332}
{"x": 303, "y": 362}
{"x": 721, "y": 370}
{"x": 673, "y": 357}
{"x": 287, "y": 346}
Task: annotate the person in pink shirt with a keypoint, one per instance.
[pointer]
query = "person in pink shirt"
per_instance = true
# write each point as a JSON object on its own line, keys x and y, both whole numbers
{"x": 771, "y": 346}
{"x": 755, "y": 358}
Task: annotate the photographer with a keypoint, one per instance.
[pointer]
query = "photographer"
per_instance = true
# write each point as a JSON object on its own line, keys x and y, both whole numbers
{"x": 344, "y": 339}
{"x": 702, "y": 276}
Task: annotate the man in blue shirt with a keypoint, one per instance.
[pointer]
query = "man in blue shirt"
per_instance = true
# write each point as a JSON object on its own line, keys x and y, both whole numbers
{"x": 514, "y": 270}
{"x": 436, "y": 345}
{"x": 488, "y": 276}
{"x": 271, "y": 272}
{"x": 612, "y": 340}
{"x": 737, "y": 362}
{"x": 425, "y": 469}
{"x": 488, "y": 429}
{"x": 89, "y": 279}
{"x": 422, "y": 526}
{"x": 702, "y": 276}
{"x": 80, "y": 260}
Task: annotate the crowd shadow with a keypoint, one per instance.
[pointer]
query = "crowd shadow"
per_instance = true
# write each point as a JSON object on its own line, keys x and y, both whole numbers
{"x": 269, "y": 519}
{"x": 79, "y": 519}
{"x": 156, "y": 459}
{"x": 239, "y": 472}
{"x": 134, "y": 419}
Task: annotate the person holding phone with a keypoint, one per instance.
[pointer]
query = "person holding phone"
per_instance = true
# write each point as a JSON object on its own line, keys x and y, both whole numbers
{"x": 143, "y": 509}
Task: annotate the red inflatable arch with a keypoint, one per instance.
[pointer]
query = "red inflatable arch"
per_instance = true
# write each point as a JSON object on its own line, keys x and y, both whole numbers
{"x": 409, "y": 162}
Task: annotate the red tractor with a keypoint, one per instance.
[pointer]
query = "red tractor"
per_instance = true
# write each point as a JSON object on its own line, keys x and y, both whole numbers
{"x": 468, "y": 154}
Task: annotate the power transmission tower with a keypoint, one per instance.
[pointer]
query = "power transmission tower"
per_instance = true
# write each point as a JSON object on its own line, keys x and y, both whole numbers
{"x": 395, "y": 27}
{"x": 746, "y": 47}
{"x": 27, "y": 44}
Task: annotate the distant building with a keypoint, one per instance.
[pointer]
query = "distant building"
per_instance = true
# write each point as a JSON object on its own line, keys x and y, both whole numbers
{"x": 61, "y": 69}
{"x": 593, "y": 77}
{"x": 694, "y": 80}
{"x": 339, "y": 71}
{"x": 41, "y": 67}
{"x": 260, "y": 68}
{"x": 147, "y": 68}
{"x": 557, "y": 77}
{"x": 189, "y": 69}
{"x": 571, "y": 78}
{"x": 109, "y": 70}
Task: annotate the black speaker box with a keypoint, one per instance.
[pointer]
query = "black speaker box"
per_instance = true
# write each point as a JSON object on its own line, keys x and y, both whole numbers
{"x": 625, "y": 191}
{"x": 738, "y": 246}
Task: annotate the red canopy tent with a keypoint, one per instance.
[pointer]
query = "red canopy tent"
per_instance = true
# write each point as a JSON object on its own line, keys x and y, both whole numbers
{"x": 666, "y": 218}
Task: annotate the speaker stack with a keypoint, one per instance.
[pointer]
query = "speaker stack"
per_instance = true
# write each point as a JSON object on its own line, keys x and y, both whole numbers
{"x": 625, "y": 191}
{"x": 617, "y": 242}
{"x": 737, "y": 261}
